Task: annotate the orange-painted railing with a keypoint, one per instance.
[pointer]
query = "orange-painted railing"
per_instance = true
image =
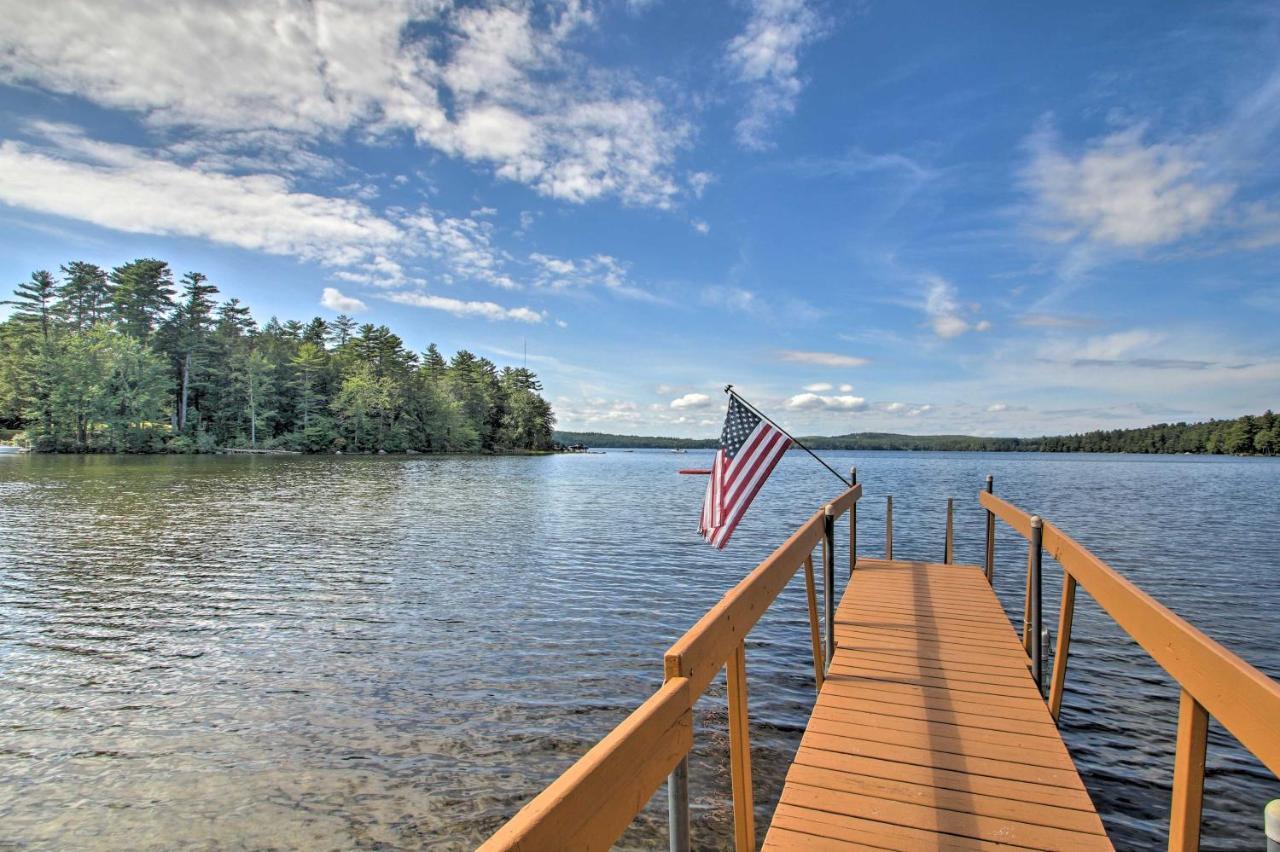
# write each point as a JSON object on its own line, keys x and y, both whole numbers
{"x": 593, "y": 802}
{"x": 1214, "y": 681}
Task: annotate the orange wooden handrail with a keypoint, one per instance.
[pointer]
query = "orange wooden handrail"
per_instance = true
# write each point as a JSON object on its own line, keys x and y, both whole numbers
{"x": 593, "y": 802}
{"x": 1215, "y": 682}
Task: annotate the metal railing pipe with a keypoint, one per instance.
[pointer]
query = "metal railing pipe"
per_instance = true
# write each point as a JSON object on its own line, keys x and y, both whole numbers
{"x": 991, "y": 535}
{"x": 888, "y": 527}
{"x": 678, "y": 806}
{"x": 1036, "y": 557}
{"x": 829, "y": 579}
{"x": 853, "y": 524}
{"x": 948, "y": 554}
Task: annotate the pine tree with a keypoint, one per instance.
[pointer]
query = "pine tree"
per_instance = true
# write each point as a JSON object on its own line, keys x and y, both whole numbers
{"x": 85, "y": 295}
{"x": 33, "y": 302}
{"x": 141, "y": 296}
{"x": 341, "y": 330}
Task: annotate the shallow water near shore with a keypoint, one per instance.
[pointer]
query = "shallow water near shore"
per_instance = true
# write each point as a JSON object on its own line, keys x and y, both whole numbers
{"x": 376, "y": 652}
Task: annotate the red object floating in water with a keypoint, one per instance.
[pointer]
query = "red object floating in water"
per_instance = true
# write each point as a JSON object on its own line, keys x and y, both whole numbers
{"x": 695, "y": 470}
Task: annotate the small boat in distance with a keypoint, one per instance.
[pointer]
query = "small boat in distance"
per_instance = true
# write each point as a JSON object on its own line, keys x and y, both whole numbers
{"x": 10, "y": 451}
{"x": 678, "y": 450}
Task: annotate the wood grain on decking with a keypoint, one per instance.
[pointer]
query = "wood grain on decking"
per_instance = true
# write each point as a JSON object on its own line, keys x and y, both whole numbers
{"x": 929, "y": 732}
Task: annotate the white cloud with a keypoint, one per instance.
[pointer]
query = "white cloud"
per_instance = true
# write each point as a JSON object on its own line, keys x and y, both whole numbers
{"x": 846, "y": 388}
{"x": 1121, "y": 191}
{"x": 561, "y": 275}
{"x": 334, "y": 300}
{"x": 822, "y": 359}
{"x": 700, "y": 226}
{"x": 691, "y": 401}
{"x": 997, "y": 407}
{"x": 461, "y": 308}
{"x": 816, "y": 402}
{"x": 124, "y": 188}
{"x": 518, "y": 99}
{"x": 945, "y": 314}
{"x": 463, "y": 246}
{"x": 818, "y": 387}
{"x": 765, "y": 57}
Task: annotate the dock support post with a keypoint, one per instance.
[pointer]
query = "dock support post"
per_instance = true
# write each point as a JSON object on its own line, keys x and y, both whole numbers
{"x": 991, "y": 535}
{"x": 888, "y": 527}
{"x": 947, "y": 551}
{"x": 829, "y": 578}
{"x": 678, "y": 806}
{"x": 1037, "y": 638}
{"x": 1188, "y": 774}
{"x": 853, "y": 523}
{"x": 744, "y": 815}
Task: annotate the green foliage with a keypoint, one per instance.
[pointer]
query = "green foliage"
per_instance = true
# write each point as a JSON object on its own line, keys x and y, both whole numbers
{"x": 112, "y": 363}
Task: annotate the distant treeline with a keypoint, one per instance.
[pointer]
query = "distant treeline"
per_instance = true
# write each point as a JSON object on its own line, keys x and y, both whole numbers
{"x": 1248, "y": 435}
{"x": 129, "y": 361}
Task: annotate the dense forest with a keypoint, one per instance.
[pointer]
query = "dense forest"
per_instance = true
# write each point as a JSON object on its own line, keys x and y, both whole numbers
{"x": 1248, "y": 435}
{"x": 130, "y": 361}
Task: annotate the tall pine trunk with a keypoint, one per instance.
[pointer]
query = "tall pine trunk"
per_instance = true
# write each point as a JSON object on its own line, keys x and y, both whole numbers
{"x": 182, "y": 401}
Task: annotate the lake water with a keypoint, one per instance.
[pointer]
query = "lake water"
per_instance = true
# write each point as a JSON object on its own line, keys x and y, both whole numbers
{"x": 298, "y": 652}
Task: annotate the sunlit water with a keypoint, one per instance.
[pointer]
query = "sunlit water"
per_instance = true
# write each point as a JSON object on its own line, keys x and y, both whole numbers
{"x": 398, "y": 652}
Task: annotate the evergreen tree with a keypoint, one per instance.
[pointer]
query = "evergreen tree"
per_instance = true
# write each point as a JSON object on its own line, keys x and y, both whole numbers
{"x": 141, "y": 296}
{"x": 84, "y": 295}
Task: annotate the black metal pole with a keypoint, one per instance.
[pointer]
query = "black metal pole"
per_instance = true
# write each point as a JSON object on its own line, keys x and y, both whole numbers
{"x": 729, "y": 390}
{"x": 829, "y": 579}
{"x": 853, "y": 524}
{"x": 1037, "y": 641}
{"x": 991, "y": 535}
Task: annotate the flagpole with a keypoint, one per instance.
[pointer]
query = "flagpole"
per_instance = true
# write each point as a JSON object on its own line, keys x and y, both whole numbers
{"x": 729, "y": 390}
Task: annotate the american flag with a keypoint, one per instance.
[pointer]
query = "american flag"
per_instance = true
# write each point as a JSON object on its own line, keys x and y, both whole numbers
{"x": 750, "y": 447}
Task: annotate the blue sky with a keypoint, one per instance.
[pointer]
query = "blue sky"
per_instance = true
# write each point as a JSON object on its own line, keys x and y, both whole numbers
{"x": 1007, "y": 218}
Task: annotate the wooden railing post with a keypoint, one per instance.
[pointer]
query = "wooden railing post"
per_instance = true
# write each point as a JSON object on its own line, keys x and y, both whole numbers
{"x": 819, "y": 666}
{"x": 947, "y": 554}
{"x": 1065, "y": 615}
{"x": 853, "y": 523}
{"x": 991, "y": 535}
{"x": 1188, "y": 775}
{"x": 888, "y": 527}
{"x": 829, "y": 578}
{"x": 744, "y": 818}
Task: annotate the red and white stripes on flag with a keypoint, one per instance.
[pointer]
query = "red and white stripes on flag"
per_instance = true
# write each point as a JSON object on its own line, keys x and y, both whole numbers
{"x": 750, "y": 448}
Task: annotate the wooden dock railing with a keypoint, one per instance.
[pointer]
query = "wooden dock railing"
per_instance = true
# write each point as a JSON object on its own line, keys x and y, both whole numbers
{"x": 593, "y": 802}
{"x": 1214, "y": 681}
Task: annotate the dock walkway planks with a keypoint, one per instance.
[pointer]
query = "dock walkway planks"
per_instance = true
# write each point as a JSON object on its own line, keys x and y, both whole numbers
{"x": 929, "y": 732}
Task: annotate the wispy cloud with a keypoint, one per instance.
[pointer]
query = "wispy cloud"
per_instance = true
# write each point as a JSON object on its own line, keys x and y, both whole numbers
{"x": 1121, "y": 191}
{"x": 518, "y": 98}
{"x": 129, "y": 189}
{"x": 462, "y": 308}
{"x": 1045, "y": 320}
{"x": 821, "y": 359}
{"x": 765, "y": 57}
{"x": 946, "y": 316}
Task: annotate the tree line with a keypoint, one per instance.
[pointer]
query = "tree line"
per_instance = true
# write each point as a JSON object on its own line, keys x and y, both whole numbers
{"x": 1247, "y": 435}
{"x": 128, "y": 360}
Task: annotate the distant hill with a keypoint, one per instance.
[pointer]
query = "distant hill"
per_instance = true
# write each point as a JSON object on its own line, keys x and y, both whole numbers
{"x": 1247, "y": 435}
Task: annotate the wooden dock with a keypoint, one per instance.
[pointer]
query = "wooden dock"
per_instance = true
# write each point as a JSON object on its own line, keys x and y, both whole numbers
{"x": 933, "y": 728}
{"x": 929, "y": 731}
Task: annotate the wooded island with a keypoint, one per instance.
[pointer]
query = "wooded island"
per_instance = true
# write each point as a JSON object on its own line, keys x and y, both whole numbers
{"x": 129, "y": 361}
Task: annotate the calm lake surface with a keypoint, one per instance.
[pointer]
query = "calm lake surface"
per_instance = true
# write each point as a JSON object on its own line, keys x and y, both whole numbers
{"x": 326, "y": 653}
